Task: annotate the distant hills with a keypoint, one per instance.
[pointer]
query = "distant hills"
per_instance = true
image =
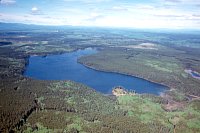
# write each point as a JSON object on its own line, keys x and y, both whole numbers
{"x": 20, "y": 26}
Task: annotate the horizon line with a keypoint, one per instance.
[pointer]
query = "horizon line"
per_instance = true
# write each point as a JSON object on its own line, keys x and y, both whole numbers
{"x": 108, "y": 27}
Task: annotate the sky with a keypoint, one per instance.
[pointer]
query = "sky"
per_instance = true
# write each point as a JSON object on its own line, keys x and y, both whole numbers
{"x": 170, "y": 14}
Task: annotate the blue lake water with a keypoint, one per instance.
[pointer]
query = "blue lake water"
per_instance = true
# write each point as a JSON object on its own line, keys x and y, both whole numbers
{"x": 195, "y": 74}
{"x": 65, "y": 67}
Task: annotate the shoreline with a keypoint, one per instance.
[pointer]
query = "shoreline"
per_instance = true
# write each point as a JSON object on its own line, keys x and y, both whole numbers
{"x": 44, "y": 55}
{"x": 59, "y": 53}
{"x": 168, "y": 88}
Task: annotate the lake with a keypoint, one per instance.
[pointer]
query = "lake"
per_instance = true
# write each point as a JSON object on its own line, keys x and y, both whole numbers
{"x": 66, "y": 67}
{"x": 195, "y": 74}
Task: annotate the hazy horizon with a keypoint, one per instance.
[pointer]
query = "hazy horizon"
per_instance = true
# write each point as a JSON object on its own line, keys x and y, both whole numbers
{"x": 143, "y": 14}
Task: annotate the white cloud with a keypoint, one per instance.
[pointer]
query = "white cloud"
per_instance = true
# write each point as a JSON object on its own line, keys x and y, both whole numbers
{"x": 34, "y": 9}
{"x": 144, "y": 23}
{"x": 31, "y": 19}
{"x": 87, "y": 1}
{"x": 178, "y": 2}
{"x": 119, "y": 8}
{"x": 71, "y": 10}
{"x": 93, "y": 17}
{"x": 121, "y": 14}
{"x": 145, "y": 7}
{"x": 7, "y": 2}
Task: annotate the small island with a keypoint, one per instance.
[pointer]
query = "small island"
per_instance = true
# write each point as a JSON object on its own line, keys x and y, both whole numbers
{"x": 120, "y": 91}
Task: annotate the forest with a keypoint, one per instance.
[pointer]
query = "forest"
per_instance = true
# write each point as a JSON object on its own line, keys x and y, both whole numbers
{"x": 33, "y": 105}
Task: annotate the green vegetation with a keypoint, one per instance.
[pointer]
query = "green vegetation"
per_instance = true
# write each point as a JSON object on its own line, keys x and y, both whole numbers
{"x": 148, "y": 111}
{"x": 28, "y": 105}
{"x": 162, "y": 66}
{"x": 165, "y": 66}
{"x": 92, "y": 112}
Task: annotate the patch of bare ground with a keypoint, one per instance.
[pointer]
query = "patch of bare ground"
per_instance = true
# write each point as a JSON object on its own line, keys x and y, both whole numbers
{"x": 173, "y": 105}
{"x": 150, "y": 46}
